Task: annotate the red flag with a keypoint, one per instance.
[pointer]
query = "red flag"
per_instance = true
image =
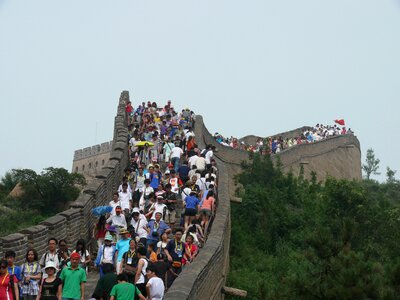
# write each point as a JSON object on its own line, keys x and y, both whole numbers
{"x": 340, "y": 122}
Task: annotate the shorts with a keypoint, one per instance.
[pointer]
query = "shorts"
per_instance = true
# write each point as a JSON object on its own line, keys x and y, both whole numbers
{"x": 206, "y": 212}
{"x": 170, "y": 217}
{"x": 190, "y": 212}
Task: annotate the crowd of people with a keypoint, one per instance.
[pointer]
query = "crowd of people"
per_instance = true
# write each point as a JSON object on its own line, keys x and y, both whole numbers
{"x": 162, "y": 210}
{"x": 157, "y": 222}
{"x": 276, "y": 144}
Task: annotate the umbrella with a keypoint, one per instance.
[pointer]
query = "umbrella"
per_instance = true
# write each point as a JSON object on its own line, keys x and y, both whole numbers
{"x": 101, "y": 210}
{"x": 143, "y": 143}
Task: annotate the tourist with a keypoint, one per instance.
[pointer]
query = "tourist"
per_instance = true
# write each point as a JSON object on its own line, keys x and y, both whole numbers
{"x": 170, "y": 200}
{"x": 155, "y": 228}
{"x": 8, "y": 283}
{"x": 73, "y": 279}
{"x": 105, "y": 283}
{"x": 129, "y": 261}
{"x": 51, "y": 286}
{"x": 121, "y": 247}
{"x": 125, "y": 290}
{"x": 162, "y": 243}
{"x": 63, "y": 253}
{"x": 114, "y": 203}
{"x": 99, "y": 230}
{"x": 118, "y": 220}
{"x": 31, "y": 275}
{"x": 145, "y": 198}
{"x": 155, "y": 286}
{"x": 12, "y": 268}
{"x": 140, "y": 280}
{"x": 50, "y": 255}
{"x": 207, "y": 208}
{"x": 175, "y": 157}
{"x": 139, "y": 223}
{"x": 175, "y": 250}
{"x": 105, "y": 254}
{"x": 83, "y": 253}
{"x": 125, "y": 199}
{"x": 190, "y": 250}
{"x": 191, "y": 205}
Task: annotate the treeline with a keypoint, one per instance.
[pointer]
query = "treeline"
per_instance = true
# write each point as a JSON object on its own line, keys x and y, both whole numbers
{"x": 299, "y": 239}
{"x": 36, "y": 197}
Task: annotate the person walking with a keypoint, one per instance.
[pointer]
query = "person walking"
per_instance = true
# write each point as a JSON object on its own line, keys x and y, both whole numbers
{"x": 73, "y": 278}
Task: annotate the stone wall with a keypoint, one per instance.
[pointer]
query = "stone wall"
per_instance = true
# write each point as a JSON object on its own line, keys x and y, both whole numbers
{"x": 206, "y": 276}
{"x": 77, "y": 222}
{"x": 338, "y": 156}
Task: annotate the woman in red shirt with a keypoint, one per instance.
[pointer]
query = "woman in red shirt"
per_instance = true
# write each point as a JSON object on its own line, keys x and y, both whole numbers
{"x": 8, "y": 288}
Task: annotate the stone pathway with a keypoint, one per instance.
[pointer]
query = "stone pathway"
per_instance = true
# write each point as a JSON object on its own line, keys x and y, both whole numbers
{"x": 91, "y": 282}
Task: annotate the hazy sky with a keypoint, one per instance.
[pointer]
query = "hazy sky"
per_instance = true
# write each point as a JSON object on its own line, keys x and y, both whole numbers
{"x": 249, "y": 67}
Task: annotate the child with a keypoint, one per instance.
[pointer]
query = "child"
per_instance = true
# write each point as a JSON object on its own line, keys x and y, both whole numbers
{"x": 152, "y": 253}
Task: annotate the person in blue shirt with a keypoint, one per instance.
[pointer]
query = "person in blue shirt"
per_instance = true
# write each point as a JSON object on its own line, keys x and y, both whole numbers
{"x": 12, "y": 268}
{"x": 121, "y": 247}
{"x": 191, "y": 207}
{"x": 155, "y": 229}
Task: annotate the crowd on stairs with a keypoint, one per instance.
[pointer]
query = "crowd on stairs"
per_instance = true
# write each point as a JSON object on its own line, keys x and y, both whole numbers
{"x": 156, "y": 222}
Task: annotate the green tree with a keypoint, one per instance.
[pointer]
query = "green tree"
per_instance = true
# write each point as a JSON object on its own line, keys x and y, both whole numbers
{"x": 390, "y": 175}
{"x": 48, "y": 191}
{"x": 371, "y": 165}
{"x": 299, "y": 239}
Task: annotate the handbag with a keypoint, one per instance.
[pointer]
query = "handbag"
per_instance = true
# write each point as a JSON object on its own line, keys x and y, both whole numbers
{"x": 130, "y": 269}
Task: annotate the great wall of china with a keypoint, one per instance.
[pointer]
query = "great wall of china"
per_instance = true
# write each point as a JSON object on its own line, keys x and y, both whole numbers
{"x": 205, "y": 278}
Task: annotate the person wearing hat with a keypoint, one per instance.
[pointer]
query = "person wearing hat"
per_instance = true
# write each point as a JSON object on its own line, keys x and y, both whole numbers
{"x": 73, "y": 278}
{"x": 155, "y": 228}
{"x": 121, "y": 247}
{"x": 158, "y": 206}
{"x": 105, "y": 254}
{"x": 139, "y": 222}
{"x": 118, "y": 220}
{"x": 51, "y": 287}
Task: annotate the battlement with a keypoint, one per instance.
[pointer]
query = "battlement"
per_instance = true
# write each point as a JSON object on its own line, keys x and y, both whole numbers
{"x": 93, "y": 151}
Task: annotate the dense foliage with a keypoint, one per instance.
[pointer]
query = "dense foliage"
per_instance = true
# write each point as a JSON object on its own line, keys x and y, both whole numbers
{"x": 299, "y": 239}
{"x": 40, "y": 195}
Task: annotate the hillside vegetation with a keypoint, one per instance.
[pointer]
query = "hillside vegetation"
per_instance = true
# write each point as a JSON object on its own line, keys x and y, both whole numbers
{"x": 299, "y": 239}
{"x": 39, "y": 196}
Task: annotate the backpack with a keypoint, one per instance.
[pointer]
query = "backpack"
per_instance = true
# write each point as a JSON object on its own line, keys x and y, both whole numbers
{"x": 204, "y": 152}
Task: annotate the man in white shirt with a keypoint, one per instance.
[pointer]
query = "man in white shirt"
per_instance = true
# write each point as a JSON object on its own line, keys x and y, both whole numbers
{"x": 159, "y": 206}
{"x": 201, "y": 164}
{"x": 192, "y": 160}
{"x": 124, "y": 180}
{"x": 155, "y": 286}
{"x": 176, "y": 154}
{"x": 208, "y": 157}
{"x": 114, "y": 203}
{"x": 118, "y": 220}
{"x": 125, "y": 198}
